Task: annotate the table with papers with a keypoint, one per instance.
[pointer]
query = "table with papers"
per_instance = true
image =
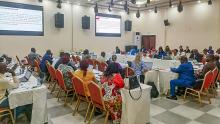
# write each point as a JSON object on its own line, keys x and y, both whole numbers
{"x": 31, "y": 92}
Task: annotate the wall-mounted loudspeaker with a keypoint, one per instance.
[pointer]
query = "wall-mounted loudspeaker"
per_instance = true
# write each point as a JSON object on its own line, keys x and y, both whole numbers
{"x": 128, "y": 25}
{"x": 85, "y": 22}
{"x": 166, "y": 22}
{"x": 59, "y": 20}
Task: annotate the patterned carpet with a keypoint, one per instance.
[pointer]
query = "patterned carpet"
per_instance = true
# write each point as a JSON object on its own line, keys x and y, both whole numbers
{"x": 162, "y": 111}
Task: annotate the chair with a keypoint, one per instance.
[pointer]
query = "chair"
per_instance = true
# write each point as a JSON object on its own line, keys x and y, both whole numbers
{"x": 62, "y": 86}
{"x": 71, "y": 76}
{"x": 5, "y": 111}
{"x": 90, "y": 61}
{"x": 37, "y": 66}
{"x": 28, "y": 60}
{"x": 95, "y": 63}
{"x": 78, "y": 59}
{"x": 53, "y": 78}
{"x": 78, "y": 86}
{"x": 97, "y": 100}
{"x": 19, "y": 62}
{"x": 214, "y": 79}
{"x": 203, "y": 90}
{"x": 48, "y": 65}
{"x": 129, "y": 72}
{"x": 102, "y": 66}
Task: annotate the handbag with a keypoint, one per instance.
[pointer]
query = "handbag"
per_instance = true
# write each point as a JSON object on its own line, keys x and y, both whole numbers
{"x": 133, "y": 84}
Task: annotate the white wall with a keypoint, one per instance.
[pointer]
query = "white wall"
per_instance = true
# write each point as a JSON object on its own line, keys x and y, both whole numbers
{"x": 86, "y": 38}
{"x": 198, "y": 26}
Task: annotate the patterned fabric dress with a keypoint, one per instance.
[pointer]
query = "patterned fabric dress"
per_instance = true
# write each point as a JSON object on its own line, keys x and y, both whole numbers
{"x": 65, "y": 69}
{"x": 110, "y": 89}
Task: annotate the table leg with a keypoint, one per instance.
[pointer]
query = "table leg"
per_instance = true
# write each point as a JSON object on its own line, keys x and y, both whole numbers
{"x": 15, "y": 115}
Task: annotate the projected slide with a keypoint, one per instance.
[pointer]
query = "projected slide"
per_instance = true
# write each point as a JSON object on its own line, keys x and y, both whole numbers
{"x": 108, "y": 25}
{"x": 21, "y": 19}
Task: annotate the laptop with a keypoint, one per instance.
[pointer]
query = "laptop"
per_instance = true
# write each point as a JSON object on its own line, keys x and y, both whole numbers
{"x": 26, "y": 76}
{"x": 148, "y": 65}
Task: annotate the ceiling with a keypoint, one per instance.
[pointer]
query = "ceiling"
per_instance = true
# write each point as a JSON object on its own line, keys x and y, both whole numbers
{"x": 119, "y": 4}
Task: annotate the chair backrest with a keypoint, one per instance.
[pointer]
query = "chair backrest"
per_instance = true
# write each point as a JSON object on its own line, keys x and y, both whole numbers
{"x": 70, "y": 74}
{"x": 37, "y": 65}
{"x": 102, "y": 66}
{"x": 95, "y": 63}
{"x": 53, "y": 73}
{"x": 96, "y": 95}
{"x": 47, "y": 64}
{"x": 59, "y": 76}
{"x": 215, "y": 75}
{"x": 78, "y": 86}
{"x": 207, "y": 81}
{"x": 78, "y": 59}
{"x": 129, "y": 72}
{"x": 28, "y": 60}
{"x": 19, "y": 62}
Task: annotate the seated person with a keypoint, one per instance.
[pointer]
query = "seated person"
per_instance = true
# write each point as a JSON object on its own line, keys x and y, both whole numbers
{"x": 181, "y": 51}
{"x": 168, "y": 51}
{"x": 217, "y": 63}
{"x": 186, "y": 77}
{"x": 112, "y": 82}
{"x": 32, "y": 56}
{"x": 210, "y": 51}
{"x": 102, "y": 57}
{"x": 218, "y": 52}
{"x": 209, "y": 66}
{"x": 4, "y": 85}
{"x": 187, "y": 50}
{"x": 175, "y": 55}
{"x": 85, "y": 54}
{"x": 139, "y": 67}
{"x": 65, "y": 68}
{"x": 133, "y": 52}
{"x": 114, "y": 61}
{"x": 160, "y": 53}
{"x": 47, "y": 57}
{"x": 65, "y": 56}
{"x": 84, "y": 74}
{"x": 117, "y": 50}
{"x": 195, "y": 55}
{"x": 58, "y": 61}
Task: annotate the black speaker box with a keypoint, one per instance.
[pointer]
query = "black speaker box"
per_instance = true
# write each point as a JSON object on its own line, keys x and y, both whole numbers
{"x": 128, "y": 25}
{"x": 166, "y": 22}
{"x": 59, "y": 20}
{"x": 85, "y": 22}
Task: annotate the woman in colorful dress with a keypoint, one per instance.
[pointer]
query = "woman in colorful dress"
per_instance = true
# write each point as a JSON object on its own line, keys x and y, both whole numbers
{"x": 111, "y": 83}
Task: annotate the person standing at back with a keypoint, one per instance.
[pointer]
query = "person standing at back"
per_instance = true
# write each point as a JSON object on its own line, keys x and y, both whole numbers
{"x": 139, "y": 67}
{"x": 33, "y": 56}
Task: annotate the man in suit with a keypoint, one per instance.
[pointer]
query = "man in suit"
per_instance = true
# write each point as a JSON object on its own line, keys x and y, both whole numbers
{"x": 186, "y": 77}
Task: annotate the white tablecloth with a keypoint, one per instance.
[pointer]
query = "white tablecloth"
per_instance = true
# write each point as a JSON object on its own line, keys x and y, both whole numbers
{"x": 165, "y": 76}
{"x": 136, "y": 112}
{"x": 26, "y": 94}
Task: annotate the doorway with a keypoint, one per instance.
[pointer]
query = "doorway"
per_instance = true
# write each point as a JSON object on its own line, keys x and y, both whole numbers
{"x": 148, "y": 42}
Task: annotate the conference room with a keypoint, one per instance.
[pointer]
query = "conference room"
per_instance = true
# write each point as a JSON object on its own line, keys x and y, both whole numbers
{"x": 109, "y": 61}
